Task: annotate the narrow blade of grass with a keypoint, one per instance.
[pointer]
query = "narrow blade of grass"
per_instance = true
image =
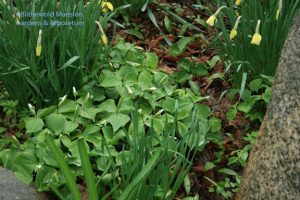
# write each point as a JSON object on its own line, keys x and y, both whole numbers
{"x": 151, "y": 163}
{"x": 89, "y": 176}
{"x": 64, "y": 168}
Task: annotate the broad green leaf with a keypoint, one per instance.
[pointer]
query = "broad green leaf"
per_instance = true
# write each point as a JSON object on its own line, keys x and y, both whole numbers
{"x": 195, "y": 87}
{"x": 91, "y": 129}
{"x": 25, "y": 163}
{"x": 215, "y": 124}
{"x": 208, "y": 166}
{"x": 2, "y": 129}
{"x": 67, "y": 106}
{"x": 126, "y": 107}
{"x": 244, "y": 107}
{"x": 117, "y": 120}
{"x": 231, "y": 114}
{"x": 182, "y": 76}
{"x": 33, "y": 124}
{"x": 158, "y": 125}
{"x": 169, "y": 104}
{"x": 56, "y": 123}
{"x": 145, "y": 80}
{"x": 232, "y": 160}
{"x": 216, "y": 76}
{"x": 187, "y": 184}
{"x": 108, "y": 106}
{"x": 135, "y": 33}
{"x": 255, "y": 84}
{"x": 45, "y": 111}
{"x": 89, "y": 113}
{"x": 168, "y": 24}
{"x": 151, "y": 60}
{"x": 212, "y": 63}
{"x": 70, "y": 126}
{"x": 179, "y": 48}
{"x": 185, "y": 64}
{"x": 228, "y": 171}
{"x": 182, "y": 129}
{"x": 267, "y": 94}
{"x": 65, "y": 140}
{"x": 109, "y": 79}
{"x": 203, "y": 111}
{"x": 185, "y": 107}
{"x": 118, "y": 136}
{"x": 199, "y": 69}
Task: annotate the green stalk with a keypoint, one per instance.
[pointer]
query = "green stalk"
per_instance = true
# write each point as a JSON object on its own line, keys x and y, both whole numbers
{"x": 142, "y": 175}
{"x": 64, "y": 168}
{"x": 89, "y": 176}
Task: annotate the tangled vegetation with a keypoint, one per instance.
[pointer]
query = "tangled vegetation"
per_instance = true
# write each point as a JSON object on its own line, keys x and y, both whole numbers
{"x": 136, "y": 99}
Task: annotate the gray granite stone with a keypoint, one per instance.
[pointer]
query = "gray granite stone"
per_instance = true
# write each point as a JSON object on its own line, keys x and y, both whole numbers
{"x": 273, "y": 169}
{"x": 13, "y": 189}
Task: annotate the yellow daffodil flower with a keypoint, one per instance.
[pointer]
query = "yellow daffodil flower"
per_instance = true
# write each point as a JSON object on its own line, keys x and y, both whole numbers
{"x": 279, "y": 10}
{"x": 212, "y": 19}
{"x": 238, "y": 2}
{"x": 104, "y": 39}
{"x": 233, "y": 32}
{"x": 107, "y": 6}
{"x": 256, "y": 38}
{"x": 38, "y": 49}
{"x": 103, "y": 36}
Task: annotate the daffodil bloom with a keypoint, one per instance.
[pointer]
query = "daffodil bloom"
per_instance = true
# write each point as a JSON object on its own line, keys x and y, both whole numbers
{"x": 38, "y": 49}
{"x": 233, "y": 32}
{"x": 106, "y": 5}
{"x": 238, "y": 2}
{"x": 212, "y": 19}
{"x": 256, "y": 38}
{"x": 104, "y": 39}
{"x": 279, "y": 10}
{"x": 103, "y": 36}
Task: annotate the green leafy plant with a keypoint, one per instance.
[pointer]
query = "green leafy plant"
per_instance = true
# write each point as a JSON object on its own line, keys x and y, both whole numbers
{"x": 125, "y": 151}
{"x": 230, "y": 179}
{"x": 269, "y": 19}
{"x": 254, "y": 99}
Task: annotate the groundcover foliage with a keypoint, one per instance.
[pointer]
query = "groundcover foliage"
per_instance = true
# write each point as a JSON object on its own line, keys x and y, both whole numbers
{"x": 103, "y": 116}
{"x": 160, "y": 140}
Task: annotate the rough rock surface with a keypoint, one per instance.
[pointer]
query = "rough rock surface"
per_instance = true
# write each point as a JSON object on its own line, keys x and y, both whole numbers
{"x": 273, "y": 169}
{"x": 13, "y": 189}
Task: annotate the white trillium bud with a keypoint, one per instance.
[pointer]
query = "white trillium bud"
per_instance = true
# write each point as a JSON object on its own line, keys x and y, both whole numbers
{"x": 32, "y": 109}
{"x": 62, "y": 100}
